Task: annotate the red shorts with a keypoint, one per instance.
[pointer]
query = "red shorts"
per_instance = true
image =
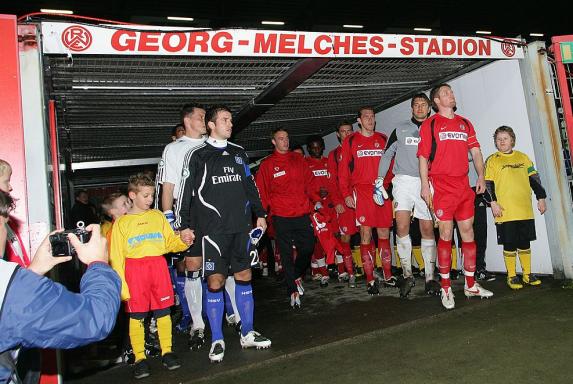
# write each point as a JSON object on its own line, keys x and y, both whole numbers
{"x": 347, "y": 221}
{"x": 453, "y": 198}
{"x": 368, "y": 212}
{"x": 149, "y": 284}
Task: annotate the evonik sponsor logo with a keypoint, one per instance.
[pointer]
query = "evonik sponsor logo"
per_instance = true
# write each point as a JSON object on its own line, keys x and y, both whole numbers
{"x": 370, "y": 153}
{"x": 461, "y": 136}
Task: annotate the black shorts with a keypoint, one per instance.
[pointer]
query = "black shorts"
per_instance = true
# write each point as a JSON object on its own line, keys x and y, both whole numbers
{"x": 515, "y": 232}
{"x": 195, "y": 250}
{"x": 223, "y": 251}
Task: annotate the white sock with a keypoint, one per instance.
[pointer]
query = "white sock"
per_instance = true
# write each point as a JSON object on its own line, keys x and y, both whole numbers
{"x": 404, "y": 245}
{"x": 230, "y": 288}
{"x": 428, "y": 247}
{"x": 194, "y": 295}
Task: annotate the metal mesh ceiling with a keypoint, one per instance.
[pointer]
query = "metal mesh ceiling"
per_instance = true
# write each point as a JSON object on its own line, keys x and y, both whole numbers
{"x": 118, "y": 108}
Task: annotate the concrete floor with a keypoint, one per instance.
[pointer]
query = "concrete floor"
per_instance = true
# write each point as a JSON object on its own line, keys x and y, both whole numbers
{"x": 342, "y": 334}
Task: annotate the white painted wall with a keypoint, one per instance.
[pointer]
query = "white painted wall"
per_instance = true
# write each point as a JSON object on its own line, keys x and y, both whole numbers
{"x": 489, "y": 97}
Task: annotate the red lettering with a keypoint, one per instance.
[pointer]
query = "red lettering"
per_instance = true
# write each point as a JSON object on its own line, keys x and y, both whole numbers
{"x": 318, "y": 46}
{"x": 123, "y": 40}
{"x": 421, "y": 41}
{"x": 167, "y": 44}
{"x": 434, "y": 48}
{"x": 470, "y": 51}
{"x": 460, "y": 42}
{"x": 265, "y": 44}
{"x": 485, "y": 47}
{"x": 301, "y": 47}
{"x": 148, "y": 41}
{"x": 222, "y": 42}
{"x": 448, "y": 47}
{"x": 198, "y": 39}
{"x": 359, "y": 45}
{"x": 376, "y": 45}
{"x": 407, "y": 48}
{"x": 286, "y": 43}
{"x": 342, "y": 42}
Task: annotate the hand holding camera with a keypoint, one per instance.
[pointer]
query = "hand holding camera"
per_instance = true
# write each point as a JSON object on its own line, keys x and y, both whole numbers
{"x": 88, "y": 249}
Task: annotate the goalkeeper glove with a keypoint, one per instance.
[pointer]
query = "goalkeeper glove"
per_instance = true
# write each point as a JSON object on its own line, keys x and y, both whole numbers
{"x": 380, "y": 193}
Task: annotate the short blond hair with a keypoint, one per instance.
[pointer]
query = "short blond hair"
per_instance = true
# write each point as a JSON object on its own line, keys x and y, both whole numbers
{"x": 139, "y": 180}
{"x": 4, "y": 166}
{"x": 107, "y": 203}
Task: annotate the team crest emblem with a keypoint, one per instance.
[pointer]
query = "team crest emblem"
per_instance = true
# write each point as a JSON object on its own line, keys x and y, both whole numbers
{"x": 344, "y": 229}
{"x": 185, "y": 172}
{"x": 439, "y": 213}
{"x": 161, "y": 163}
{"x": 462, "y": 127}
{"x": 362, "y": 219}
{"x": 238, "y": 160}
{"x": 376, "y": 145}
{"x": 395, "y": 204}
{"x": 276, "y": 168}
{"x": 209, "y": 266}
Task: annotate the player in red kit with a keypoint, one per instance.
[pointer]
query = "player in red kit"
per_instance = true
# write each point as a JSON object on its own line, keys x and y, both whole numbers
{"x": 357, "y": 172}
{"x": 284, "y": 181}
{"x": 345, "y": 215}
{"x": 321, "y": 186}
{"x": 445, "y": 140}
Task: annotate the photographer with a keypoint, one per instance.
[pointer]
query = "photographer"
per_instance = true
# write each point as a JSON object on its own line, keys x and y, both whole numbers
{"x": 37, "y": 312}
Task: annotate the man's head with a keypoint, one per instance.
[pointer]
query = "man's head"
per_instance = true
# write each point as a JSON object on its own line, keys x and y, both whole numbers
{"x": 82, "y": 196}
{"x": 7, "y": 204}
{"x": 442, "y": 97}
{"x": 504, "y": 139}
{"x": 315, "y": 146}
{"x": 280, "y": 140}
{"x": 177, "y": 132}
{"x": 344, "y": 129}
{"x": 5, "y": 176}
{"x": 116, "y": 205}
{"x": 420, "y": 107}
{"x": 219, "y": 121}
{"x": 367, "y": 119}
{"x": 193, "y": 119}
{"x": 141, "y": 190}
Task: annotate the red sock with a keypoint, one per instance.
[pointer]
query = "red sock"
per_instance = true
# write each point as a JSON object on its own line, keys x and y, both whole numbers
{"x": 340, "y": 265}
{"x": 469, "y": 252}
{"x": 367, "y": 263}
{"x": 385, "y": 256}
{"x": 444, "y": 261}
{"x": 347, "y": 256}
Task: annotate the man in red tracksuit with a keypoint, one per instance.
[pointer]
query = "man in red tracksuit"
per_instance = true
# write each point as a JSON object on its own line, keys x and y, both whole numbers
{"x": 346, "y": 217}
{"x": 284, "y": 181}
{"x": 357, "y": 171}
{"x": 320, "y": 184}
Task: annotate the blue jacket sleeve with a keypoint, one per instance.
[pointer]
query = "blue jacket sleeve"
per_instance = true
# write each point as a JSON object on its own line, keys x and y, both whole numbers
{"x": 38, "y": 312}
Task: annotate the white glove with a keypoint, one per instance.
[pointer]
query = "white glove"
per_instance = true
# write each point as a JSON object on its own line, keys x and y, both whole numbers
{"x": 380, "y": 193}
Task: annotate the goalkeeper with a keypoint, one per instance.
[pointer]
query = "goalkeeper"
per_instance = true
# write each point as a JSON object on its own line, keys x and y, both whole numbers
{"x": 402, "y": 147}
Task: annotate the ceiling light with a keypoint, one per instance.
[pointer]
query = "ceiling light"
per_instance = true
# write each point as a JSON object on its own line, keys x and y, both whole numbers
{"x": 177, "y": 18}
{"x": 423, "y": 29}
{"x": 483, "y": 32}
{"x": 273, "y": 22}
{"x": 355, "y": 26}
{"x": 536, "y": 34}
{"x": 63, "y": 11}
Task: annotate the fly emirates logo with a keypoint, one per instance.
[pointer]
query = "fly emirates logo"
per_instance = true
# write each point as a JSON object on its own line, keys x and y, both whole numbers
{"x": 370, "y": 153}
{"x": 461, "y": 136}
{"x": 229, "y": 178}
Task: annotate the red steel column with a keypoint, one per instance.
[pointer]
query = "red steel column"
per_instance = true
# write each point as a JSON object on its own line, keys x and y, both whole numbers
{"x": 11, "y": 126}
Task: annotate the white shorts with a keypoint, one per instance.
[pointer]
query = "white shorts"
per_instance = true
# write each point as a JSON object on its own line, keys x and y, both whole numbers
{"x": 406, "y": 192}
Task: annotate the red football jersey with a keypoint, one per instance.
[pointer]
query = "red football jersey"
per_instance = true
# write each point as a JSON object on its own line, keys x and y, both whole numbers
{"x": 359, "y": 162}
{"x": 320, "y": 175}
{"x": 284, "y": 185}
{"x": 334, "y": 158}
{"x": 454, "y": 138}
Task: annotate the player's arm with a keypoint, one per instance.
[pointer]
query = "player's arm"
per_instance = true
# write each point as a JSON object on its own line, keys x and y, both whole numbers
{"x": 173, "y": 242}
{"x": 344, "y": 174}
{"x": 252, "y": 192}
{"x": 308, "y": 177}
{"x": 538, "y": 190}
{"x": 333, "y": 183}
{"x": 479, "y": 166}
{"x": 262, "y": 182}
{"x": 117, "y": 255}
{"x": 424, "y": 151}
{"x": 389, "y": 153}
{"x": 489, "y": 194}
{"x": 185, "y": 217}
{"x": 167, "y": 196}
